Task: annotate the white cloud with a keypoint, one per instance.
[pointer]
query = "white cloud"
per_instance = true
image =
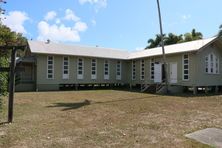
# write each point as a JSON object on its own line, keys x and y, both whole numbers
{"x": 60, "y": 30}
{"x": 57, "y": 32}
{"x": 93, "y": 22}
{"x": 50, "y": 15}
{"x": 186, "y": 17}
{"x": 139, "y": 48}
{"x": 80, "y": 26}
{"x": 97, "y": 3}
{"x": 58, "y": 21}
{"x": 15, "y": 21}
{"x": 70, "y": 15}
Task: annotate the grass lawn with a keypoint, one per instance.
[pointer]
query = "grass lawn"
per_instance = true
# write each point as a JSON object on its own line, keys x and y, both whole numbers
{"x": 111, "y": 119}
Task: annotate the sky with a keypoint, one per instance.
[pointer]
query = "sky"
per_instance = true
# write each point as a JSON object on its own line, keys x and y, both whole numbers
{"x": 120, "y": 24}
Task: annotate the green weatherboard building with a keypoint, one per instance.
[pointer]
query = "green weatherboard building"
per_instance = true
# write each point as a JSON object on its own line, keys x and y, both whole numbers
{"x": 52, "y": 66}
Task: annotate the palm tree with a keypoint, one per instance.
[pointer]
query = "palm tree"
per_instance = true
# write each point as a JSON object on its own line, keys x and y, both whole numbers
{"x": 192, "y": 36}
{"x": 173, "y": 39}
{"x": 196, "y": 35}
{"x": 155, "y": 42}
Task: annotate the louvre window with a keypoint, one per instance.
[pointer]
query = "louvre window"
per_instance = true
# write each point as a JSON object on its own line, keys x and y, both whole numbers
{"x": 133, "y": 70}
{"x": 93, "y": 69}
{"x": 50, "y": 67}
{"x": 106, "y": 69}
{"x": 65, "y": 68}
{"x": 185, "y": 67}
{"x": 80, "y": 68}
{"x": 118, "y": 70}
{"x": 142, "y": 69}
{"x": 151, "y": 69}
{"x": 212, "y": 64}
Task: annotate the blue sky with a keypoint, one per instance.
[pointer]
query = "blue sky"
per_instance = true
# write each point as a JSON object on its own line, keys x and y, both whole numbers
{"x": 122, "y": 24}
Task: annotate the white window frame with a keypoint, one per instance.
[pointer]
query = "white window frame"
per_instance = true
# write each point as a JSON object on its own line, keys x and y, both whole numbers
{"x": 188, "y": 69}
{"x": 152, "y": 62}
{"x": 212, "y": 64}
{"x": 118, "y": 70}
{"x": 65, "y": 76}
{"x": 133, "y": 70}
{"x": 106, "y": 76}
{"x": 142, "y": 69}
{"x": 93, "y": 76}
{"x": 47, "y": 73}
{"x": 80, "y": 76}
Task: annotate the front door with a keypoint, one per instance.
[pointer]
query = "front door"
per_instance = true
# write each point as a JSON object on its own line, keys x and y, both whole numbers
{"x": 173, "y": 72}
{"x": 158, "y": 73}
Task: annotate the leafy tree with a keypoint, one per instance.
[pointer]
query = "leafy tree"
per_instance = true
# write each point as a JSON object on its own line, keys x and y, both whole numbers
{"x": 174, "y": 39}
{"x": 155, "y": 42}
{"x": 7, "y": 37}
{"x": 192, "y": 36}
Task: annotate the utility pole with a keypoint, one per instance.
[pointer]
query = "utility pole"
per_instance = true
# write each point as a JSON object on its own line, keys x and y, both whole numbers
{"x": 163, "y": 50}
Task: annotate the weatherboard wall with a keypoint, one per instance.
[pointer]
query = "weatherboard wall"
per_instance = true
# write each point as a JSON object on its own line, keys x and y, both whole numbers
{"x": 174, "y": 58}
{"x": 53, "y": 84}
{"x": 203, "y": 78}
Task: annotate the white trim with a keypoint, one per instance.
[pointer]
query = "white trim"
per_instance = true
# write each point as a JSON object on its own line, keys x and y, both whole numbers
{"x": 118, "y": 70}
{"x": 80, "y": 76}
{"x": 47, "y": 68}
{"x": 106, "y": 76}
{"x": 65, "y": 76}
{"x": 215, "y": 61}
{"x": 152, "y": 62}
{"x": 173, "y": 72}
{"x": 142, "y": 69}
{"x": 188, "y": 65}
{"x": 133, "y": 70}
{"x": 94, "y": 76}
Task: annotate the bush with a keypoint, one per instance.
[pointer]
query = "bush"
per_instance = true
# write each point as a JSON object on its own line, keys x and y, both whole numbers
{"x": 3, "y": 80}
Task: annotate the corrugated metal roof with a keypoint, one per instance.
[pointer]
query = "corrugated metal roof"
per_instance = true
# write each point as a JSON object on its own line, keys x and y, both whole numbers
{"x": 87, "y": 51}
{"x": 76, "y": 50}
{"x": 172, "y": 49}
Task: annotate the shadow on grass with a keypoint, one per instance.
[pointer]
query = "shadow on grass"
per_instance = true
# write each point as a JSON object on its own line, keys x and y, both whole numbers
{"x": 70, "y": 106}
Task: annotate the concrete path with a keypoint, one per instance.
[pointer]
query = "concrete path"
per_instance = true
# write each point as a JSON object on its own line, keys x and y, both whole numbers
{"x": 210, "y": 136}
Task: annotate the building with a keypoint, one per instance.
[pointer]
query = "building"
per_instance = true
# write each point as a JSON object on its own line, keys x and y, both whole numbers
{"x": 51, "y": 66}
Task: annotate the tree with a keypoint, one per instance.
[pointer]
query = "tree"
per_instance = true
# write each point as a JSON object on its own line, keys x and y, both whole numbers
{"x": 192, "y": 36}
{"x": 7, "y": 37}
{"x": 155, "y": 42}
{"x": 174, "y": 39}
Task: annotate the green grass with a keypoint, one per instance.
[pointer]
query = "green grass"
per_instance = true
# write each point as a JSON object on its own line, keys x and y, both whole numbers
{"x": 111, "y": 119}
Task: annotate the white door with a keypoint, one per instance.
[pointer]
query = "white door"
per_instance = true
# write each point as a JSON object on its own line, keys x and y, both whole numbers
{"x": 173, "y": 72}
{"x": 158, "y": 73}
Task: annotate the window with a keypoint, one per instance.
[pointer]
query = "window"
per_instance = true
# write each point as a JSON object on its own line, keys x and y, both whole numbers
{"x": 185, "y": 67}
{"x": 50, "y": 67}
{"x": 133, "y": 70}
{"x": 212, "y": 64}
{"x": 206, "y": 64}
{"x": 142, "y": 69}
{"x": 106, "y": 70}
{"x": 80, "y": 68}
{"x": 152, "y": 69}
{"x": 65, "y": 68}
{"x": 93, "y": 68}
{"x": 118, "y": 70}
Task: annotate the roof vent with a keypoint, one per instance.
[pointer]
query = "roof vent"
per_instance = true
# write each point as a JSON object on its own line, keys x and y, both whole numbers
{"x": 47, "y": 41}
